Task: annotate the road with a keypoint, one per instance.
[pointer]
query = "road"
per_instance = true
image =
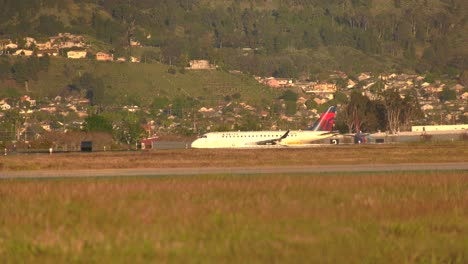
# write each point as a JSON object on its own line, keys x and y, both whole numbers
{"x": 234, "y": 170}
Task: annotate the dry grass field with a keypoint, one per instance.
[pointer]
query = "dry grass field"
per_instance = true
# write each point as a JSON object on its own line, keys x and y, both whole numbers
{"x": 311, "y": 218}
{"x": 325, "y": 155}
{"x": 386, "y": 217}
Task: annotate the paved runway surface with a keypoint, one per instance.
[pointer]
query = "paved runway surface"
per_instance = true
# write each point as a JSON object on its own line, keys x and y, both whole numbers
{"x": 235, "y": 170}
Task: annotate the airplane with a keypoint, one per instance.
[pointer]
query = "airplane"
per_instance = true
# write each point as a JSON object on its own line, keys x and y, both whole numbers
{"x": 321, "y": 129}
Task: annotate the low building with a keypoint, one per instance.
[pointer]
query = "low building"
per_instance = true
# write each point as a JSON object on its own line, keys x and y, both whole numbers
{"x": 23, "y": 52}
{"x": 5, "y": 106}
{"x": 11, "y": 46}
{"x": 272, "y": 83}
{"x": 102, "y": 56}
{"x": 135, "y": 43}
{"x": 321, "y": 88}
{"x": 201, "y": 65}
{"x": 278, "y": 82}
{"x": 462, "y": 128}
{"x": 48, "y": 52}
{"x": 77, "y": 54}
{"x": 44, "y": 46}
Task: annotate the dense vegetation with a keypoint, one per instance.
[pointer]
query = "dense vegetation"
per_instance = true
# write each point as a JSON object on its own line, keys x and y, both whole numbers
{"x": 281, "y": 38}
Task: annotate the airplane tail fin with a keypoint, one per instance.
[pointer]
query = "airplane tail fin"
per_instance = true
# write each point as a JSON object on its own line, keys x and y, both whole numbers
{"x": 326, "y": 121}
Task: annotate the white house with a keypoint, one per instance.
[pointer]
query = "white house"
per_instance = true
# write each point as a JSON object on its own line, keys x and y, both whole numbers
{"x": 23, "y": 52}
{"x": 77, "y": 54}
{"x": 5, "y": 106}
{"x": 427, "y": 107}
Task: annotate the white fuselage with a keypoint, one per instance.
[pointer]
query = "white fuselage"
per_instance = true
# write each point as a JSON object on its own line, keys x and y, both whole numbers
{"x": 252, "y": 139}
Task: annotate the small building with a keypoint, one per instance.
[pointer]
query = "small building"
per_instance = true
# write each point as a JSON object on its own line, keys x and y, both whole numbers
{"x": 440, "y": 128}
{"x": 23, "y": 52}
{"x": 48, "y": 52}
{"x": 44, "y": 46}
{"x": 201, "y": 65}
{"x": 102, "y": 56}
{"x": 134, "y": 59}
{"x": 135, "y": 43}
{"x": 7, "y": 44}
{"x": 351, "y": 84}
{"x": 278, "y": 82}
{"x": 272, "y": 83}
{"x": 321, "y": 88}
{"x": 5, "y": 106}
{"x": 464, "y": 96}
{"x": 427, "y": 107}
{"x": 77, "y": 54}
{"x": 11, "y": 46}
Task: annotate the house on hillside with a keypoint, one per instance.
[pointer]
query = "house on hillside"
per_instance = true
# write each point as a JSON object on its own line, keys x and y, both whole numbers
{"x": 26, "y": 98}
{"x": 44, "y": 46}
{"x": 278, "y": 82}
{"x": 135, "y": 43}
{"x": 427, "y": 107}
{"x": 4, "y": 106}
{"x": 29, "y": 42}
{"x": 67, "y": 40}
{"x": 272, "y": 82}
{"x": 23, "y": 52}
{"x": 48, "y": 52}
{"x": 77, "y": 54}
{"x": 134, "y": 59}
{"x": 201, "y": 65}
{"x": 7, "y": 44}
{"x": 464, "y": 96}
{"x": 363, "y": 76}
{"x": 322, "y": 88}
{"x": 351, "y": 84}
{"x": 102, "y": 56}
{"x": 12, "y": 46}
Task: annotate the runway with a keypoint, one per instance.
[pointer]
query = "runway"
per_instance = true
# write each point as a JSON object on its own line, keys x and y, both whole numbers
{"x": 38, "y": 174}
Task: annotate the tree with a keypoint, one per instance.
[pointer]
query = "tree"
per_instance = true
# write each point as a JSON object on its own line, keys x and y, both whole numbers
{"x": 128, "y": 128}
{"x": 150, "y": 56}
{"x": 358, "y": 109}
{"x": 289, "y": 95}
{"x": 393, "y": 109}
{"x": 5, "y": 68}
{"x": 93, "y": 88}
{"x": 411, "y": 109}
{"x": 464, "y": 78}
{"x": 49, "y": 25}
{"x": 447, "y": 95}
{"x": 97, "y": 123}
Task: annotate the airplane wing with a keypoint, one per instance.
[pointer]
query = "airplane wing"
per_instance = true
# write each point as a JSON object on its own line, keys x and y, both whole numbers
{"x": 272, "y": 141}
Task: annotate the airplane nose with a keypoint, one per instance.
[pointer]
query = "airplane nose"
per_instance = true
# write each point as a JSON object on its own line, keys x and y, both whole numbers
{"x": 196, "y": 143}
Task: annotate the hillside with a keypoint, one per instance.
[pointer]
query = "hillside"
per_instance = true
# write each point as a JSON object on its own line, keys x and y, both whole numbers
{"x": 140, "y": 83}
{"x": 285, "y": 38}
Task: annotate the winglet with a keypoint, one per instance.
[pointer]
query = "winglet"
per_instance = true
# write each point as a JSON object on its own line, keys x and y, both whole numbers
{"x": 284, "y": 136}
{"x": 326, "y": 121}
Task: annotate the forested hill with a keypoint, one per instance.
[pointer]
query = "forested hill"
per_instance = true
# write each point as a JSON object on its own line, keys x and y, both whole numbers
{"x": 293, "y": 38}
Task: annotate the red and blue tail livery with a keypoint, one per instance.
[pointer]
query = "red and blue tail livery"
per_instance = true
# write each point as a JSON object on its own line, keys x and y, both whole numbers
{"x": 326, "y": 121}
